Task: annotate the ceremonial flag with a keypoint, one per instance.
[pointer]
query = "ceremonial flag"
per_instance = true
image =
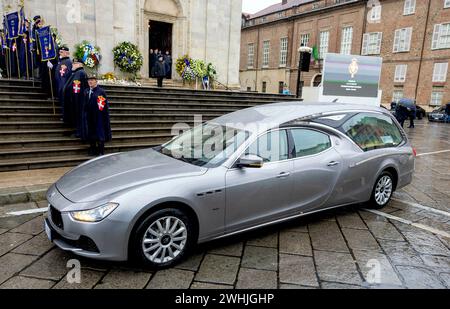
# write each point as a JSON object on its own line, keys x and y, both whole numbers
{"x": 47, "y": 45}
{"x": 315, "y": 53}
{"x": 12, "y": 24}
{"x": 22, "y": 24}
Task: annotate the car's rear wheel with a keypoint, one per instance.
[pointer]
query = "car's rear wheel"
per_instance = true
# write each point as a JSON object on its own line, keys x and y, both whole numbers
{"x": 383, "y": 191}
{"x": 164, "y": 238}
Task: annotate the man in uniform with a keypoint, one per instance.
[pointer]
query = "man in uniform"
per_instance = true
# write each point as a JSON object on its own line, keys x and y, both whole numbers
{"x": 73, "y": 99}
{"x": 25, "y": 54}
{"x": 3, "y": 53}
{"x": 62, "y": 74}
{"x": 97, "y": 118}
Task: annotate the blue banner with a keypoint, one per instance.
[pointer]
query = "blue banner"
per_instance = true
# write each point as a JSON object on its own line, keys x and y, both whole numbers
{"x": 22, "y": 24}
{"x": 47, "y": 45}
{"x": 12, "y": 24}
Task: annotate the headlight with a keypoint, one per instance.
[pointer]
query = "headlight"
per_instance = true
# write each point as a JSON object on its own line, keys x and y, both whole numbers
{"x": 94, "y": 215}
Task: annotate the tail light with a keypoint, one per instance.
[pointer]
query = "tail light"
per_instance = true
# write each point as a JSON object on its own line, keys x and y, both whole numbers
{"x": 415, "y": 152}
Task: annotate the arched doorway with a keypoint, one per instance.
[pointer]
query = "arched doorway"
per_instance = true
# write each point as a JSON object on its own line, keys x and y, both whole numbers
{"x": 164, "y": 28}
{"x": 316, "y": 80}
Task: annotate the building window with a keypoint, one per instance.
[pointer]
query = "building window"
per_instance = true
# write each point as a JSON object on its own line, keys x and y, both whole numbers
{"x": 400, "y": 73}
{"x": 283, "y": 51}
{"x": 410, "y": 7}
{"x": 251, "y": 55}
{"x": 266, "y": 53}
{"x": 402, "y": 40}
{"x": 264, "y": 87}
{"x": 441, "y": 36}
{"x": 397, "y": 96}
{"x": 372, "y": 43}
{"x": 436, "y": 98}
{"x": 324, "y": 41}
{"x": 304, "y": 39}
{"x": 375, "y": 13}
{"x": 446, "y": 4}
{"x": 346, "y": 42}
{"x": 440, "y": 72}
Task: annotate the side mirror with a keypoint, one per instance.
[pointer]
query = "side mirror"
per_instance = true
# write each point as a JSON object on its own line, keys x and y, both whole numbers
{"x": 250, "y": 161}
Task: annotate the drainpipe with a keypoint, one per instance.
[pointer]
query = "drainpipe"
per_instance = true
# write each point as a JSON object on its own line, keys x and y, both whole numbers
{"x": 422, "y": 51}
{"x": 257, "y": 61}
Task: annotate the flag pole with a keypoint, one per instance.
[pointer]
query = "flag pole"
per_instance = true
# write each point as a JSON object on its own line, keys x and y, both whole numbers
{"x": 51, "y": 88}
{"x": 17, "y": 58}
{"x": 26, "y": 55}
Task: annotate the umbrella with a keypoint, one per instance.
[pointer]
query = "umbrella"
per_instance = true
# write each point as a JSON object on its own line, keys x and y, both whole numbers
{"x": 408, "y": 103}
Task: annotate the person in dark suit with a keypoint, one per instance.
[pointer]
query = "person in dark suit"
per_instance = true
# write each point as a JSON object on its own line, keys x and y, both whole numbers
{"x": 159, "y": 71}
{"x": 98, "y": 124}
{"x": 63, "y": 72}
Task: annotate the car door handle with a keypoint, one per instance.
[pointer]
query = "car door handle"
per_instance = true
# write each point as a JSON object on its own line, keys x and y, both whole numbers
{"x": 283, "y": 175}
{"x": 333, "y": 163}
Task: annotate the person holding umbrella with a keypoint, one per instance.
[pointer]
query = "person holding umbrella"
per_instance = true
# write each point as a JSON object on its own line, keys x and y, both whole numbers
{"x": 406, "y": 108}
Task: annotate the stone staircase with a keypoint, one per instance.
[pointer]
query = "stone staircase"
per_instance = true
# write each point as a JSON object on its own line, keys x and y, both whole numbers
{"x": 32, "y": 137}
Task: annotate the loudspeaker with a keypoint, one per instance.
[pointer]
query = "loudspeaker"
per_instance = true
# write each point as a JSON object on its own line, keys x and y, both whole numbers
{"x": 306, "y": 61}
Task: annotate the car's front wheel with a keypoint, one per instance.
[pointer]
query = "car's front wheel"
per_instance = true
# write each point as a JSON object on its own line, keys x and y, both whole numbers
{"x": 164, "y": 238}
{"x": 383, "y": 191}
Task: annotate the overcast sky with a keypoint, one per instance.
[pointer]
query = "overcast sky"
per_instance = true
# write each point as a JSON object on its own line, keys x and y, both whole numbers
{"x": 253, "y": 6}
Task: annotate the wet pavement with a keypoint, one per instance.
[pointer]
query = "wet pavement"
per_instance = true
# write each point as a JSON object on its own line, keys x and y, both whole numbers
{"x": 405, "y": 245}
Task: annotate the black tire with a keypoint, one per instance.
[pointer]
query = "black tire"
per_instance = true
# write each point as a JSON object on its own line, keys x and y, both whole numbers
{"x": 137, "y": 250}
{"x": 374, "y": 203}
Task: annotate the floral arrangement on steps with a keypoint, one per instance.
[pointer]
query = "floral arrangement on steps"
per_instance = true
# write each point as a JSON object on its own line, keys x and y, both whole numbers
{"x": 88, "y": 54}
{"x": 128, "y": 58}
{"x": 195, "y": 69}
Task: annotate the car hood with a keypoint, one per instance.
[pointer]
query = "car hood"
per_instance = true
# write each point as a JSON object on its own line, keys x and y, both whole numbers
{"x": 107, "y": 175}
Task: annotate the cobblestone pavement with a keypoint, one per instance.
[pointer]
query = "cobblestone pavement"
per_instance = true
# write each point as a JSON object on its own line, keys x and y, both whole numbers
{"x": 344, "y": 248}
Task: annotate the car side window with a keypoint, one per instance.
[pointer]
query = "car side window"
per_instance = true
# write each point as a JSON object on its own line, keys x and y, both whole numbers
{"x": 271, "y": 147}
{"x": 309, "y": 142}
{"x": 373, "y": 131}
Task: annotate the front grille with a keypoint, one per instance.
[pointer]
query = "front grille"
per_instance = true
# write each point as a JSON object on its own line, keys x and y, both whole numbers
{"x": 56, "y": 217}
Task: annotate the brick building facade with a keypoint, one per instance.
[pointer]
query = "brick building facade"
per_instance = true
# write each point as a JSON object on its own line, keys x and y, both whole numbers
{"x": 412, "y": 37}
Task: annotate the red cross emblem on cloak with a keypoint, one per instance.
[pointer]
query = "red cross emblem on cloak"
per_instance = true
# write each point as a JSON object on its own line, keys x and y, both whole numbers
{"x": 14, "y": 47}
{"x": 101, "y": 102}
{"x": 63, "y": 70}
{"x": 76, "y": 86}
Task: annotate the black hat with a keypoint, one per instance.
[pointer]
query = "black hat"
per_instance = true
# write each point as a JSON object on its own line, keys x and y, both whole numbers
{"x": 37, "y": 18}
{"x": 64, "y": 48}
{"x": 92, "y": 77}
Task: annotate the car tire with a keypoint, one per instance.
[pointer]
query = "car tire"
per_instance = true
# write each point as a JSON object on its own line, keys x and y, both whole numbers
{"x": 159, "y": 243}
{"x": 383, "y": 190}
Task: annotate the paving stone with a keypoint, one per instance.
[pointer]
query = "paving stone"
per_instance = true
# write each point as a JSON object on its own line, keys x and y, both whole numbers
{"x": 351, "y": 220}
{"x": 360, "y": 240}
{"x": 52, "y": 266}
{"x": 419, "y": 278}
{"x": 297, "y": 270}
{"x": 285, "y": 286}
{"x": 299, "y": 226}
{"x": 295, "y": 243}
{"x": 376, "y": 269}
{"x": 32, "y": 227}
{"x": 171, "y": 279}
{"x": 326, "y": 235}
{"x": 3, "y": 231}
{"x": 260, "y": 258}
{"x": 426, "y": 243}
{"x": 9, "y": 241}
{"x": 446, "y": 278}
{"x": 218, "y": 269}
{"x": 339, "y": 286}
{"x": 437, "y": 263}
{"x": 407, "y": 215}
{"x": 4, "y": 209}
{"x": 370, "y": 217}
{"x": 434, "y": 216}
{"x": 20, "y": 282}
{"x": 13, "y": 222}
{"x": 256, "y": 279}
{"x": 270, "y": 241}
{"x": 210, "y": 286}
{"x": 337, "y": 267}
{"x": 89, "y": 278}
{"x": 124, "y": 279}
{"x": 192, "y": 262}
{"x": 12, "y": 263}
{"x": 234, "y": 249}
{"x": 38, "y": 245}
{"x": 401, "y": 253}
{"x": 384, "y": 230}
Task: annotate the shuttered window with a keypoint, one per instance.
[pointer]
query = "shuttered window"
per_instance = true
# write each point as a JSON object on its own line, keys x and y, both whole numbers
{"x": 402, "y": 40}
{"x": 372, "y": 43}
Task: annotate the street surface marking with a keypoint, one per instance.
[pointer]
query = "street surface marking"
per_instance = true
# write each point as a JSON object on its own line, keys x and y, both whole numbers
{"x": 408, "y": 222}
{"x": 432, "y": 153}
{"x": 27, "y": 212}
{"x": 430, "y": 209}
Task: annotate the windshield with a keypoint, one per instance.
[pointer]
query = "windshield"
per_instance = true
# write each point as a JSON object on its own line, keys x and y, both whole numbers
{"x": 207, "y": 145}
